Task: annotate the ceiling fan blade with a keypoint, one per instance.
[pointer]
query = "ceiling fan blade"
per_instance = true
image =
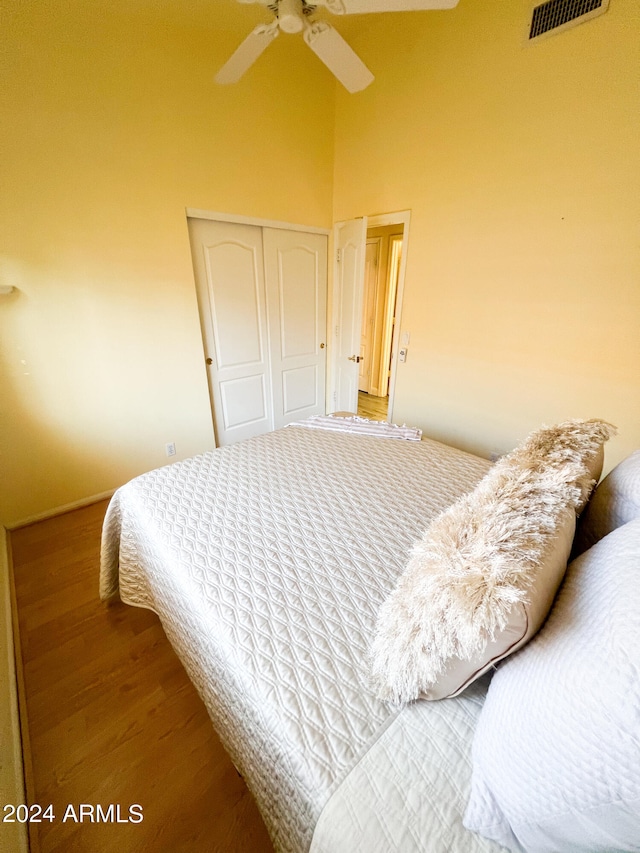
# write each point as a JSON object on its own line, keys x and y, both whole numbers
{"x": 246, "y": 54}
{"x": 360, "y": 7}
{"x": 339, "y": 58}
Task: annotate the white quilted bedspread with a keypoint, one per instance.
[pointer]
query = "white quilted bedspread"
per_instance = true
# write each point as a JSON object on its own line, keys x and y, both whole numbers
{"x": 266, "y": 562}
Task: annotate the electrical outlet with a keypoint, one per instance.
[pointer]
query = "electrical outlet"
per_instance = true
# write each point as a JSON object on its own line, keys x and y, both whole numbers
{"x": 170, "y": 448}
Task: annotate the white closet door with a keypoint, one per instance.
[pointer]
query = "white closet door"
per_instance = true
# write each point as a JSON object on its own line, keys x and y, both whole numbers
{"x": 228, "y": 265}
{"x": 296, "y": 282}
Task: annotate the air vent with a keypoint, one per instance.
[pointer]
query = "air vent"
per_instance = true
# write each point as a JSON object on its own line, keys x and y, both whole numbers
{"x": 556, "y": 15}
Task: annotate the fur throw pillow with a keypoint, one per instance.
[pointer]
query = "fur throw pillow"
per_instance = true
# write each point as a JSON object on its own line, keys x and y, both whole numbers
{"x": 480, "y": 582}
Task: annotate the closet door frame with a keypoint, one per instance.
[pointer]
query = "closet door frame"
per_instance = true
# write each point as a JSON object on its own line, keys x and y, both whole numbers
{"x": 196, "y": 213}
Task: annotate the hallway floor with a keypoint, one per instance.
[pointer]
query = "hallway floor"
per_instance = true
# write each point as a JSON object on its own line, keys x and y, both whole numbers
{"x": 375, "y": 408}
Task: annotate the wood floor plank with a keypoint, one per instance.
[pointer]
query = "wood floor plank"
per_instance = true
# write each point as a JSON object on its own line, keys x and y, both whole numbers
{"x": 112, "y": 716}
{"x": 375, "y": 408}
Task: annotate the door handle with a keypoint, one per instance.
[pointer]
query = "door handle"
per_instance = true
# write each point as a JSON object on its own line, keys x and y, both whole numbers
{"x": 355, "y": 358}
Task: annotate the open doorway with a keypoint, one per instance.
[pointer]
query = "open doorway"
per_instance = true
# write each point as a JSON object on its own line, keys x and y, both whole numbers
{"x": 379, "y": 312}
{"x": 349, "y": 306}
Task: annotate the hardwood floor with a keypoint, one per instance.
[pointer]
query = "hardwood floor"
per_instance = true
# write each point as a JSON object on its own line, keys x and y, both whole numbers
{"x": 112, "y": 716}
{"x": 372, "y": 407}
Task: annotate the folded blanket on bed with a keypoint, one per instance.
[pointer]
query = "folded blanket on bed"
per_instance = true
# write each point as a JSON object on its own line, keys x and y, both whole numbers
{"x": 364, "y": 426}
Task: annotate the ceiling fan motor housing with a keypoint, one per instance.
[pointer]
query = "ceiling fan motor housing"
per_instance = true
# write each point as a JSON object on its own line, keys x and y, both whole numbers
{"x": 290, "y": 18}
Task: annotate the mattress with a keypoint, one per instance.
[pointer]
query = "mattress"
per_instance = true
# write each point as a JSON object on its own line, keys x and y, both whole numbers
{"x": 267, "y": 562}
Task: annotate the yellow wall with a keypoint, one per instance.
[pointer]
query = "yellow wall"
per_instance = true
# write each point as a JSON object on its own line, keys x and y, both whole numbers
{"x": 111, "y": 127}
{"x": 521, "y": 166}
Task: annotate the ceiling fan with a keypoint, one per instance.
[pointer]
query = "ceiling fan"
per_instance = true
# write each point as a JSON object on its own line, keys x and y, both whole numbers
{"x": 295, "y": 16}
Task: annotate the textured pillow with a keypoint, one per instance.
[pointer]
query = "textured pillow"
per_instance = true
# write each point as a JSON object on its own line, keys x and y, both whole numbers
{"x": 482, "y": 579}
{"x": 556, "y": 754}
{"x": 614, "y": 502}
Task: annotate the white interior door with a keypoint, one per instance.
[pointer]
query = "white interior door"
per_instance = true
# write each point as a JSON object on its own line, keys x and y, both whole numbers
{"x": 228, "y": 265}
{"x": 350, "y": 245}
{"x": 295, "y": 265}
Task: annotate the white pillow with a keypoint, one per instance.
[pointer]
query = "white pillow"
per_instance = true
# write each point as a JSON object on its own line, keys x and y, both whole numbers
{"x": 556, "y": 754}
{"x": 482, "y": 579}
{"x": 615, "y": 501}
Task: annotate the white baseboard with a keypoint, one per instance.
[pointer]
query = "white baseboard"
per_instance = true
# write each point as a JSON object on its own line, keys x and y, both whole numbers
{"x": 59, "y": 510}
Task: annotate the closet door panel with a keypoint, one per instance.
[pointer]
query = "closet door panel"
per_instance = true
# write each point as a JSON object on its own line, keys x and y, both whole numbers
{"x": 229, "y": 270}
{"x": 296, "y": 284}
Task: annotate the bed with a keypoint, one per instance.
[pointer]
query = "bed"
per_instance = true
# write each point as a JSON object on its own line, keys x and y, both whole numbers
{"x": 266, "y": 562}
